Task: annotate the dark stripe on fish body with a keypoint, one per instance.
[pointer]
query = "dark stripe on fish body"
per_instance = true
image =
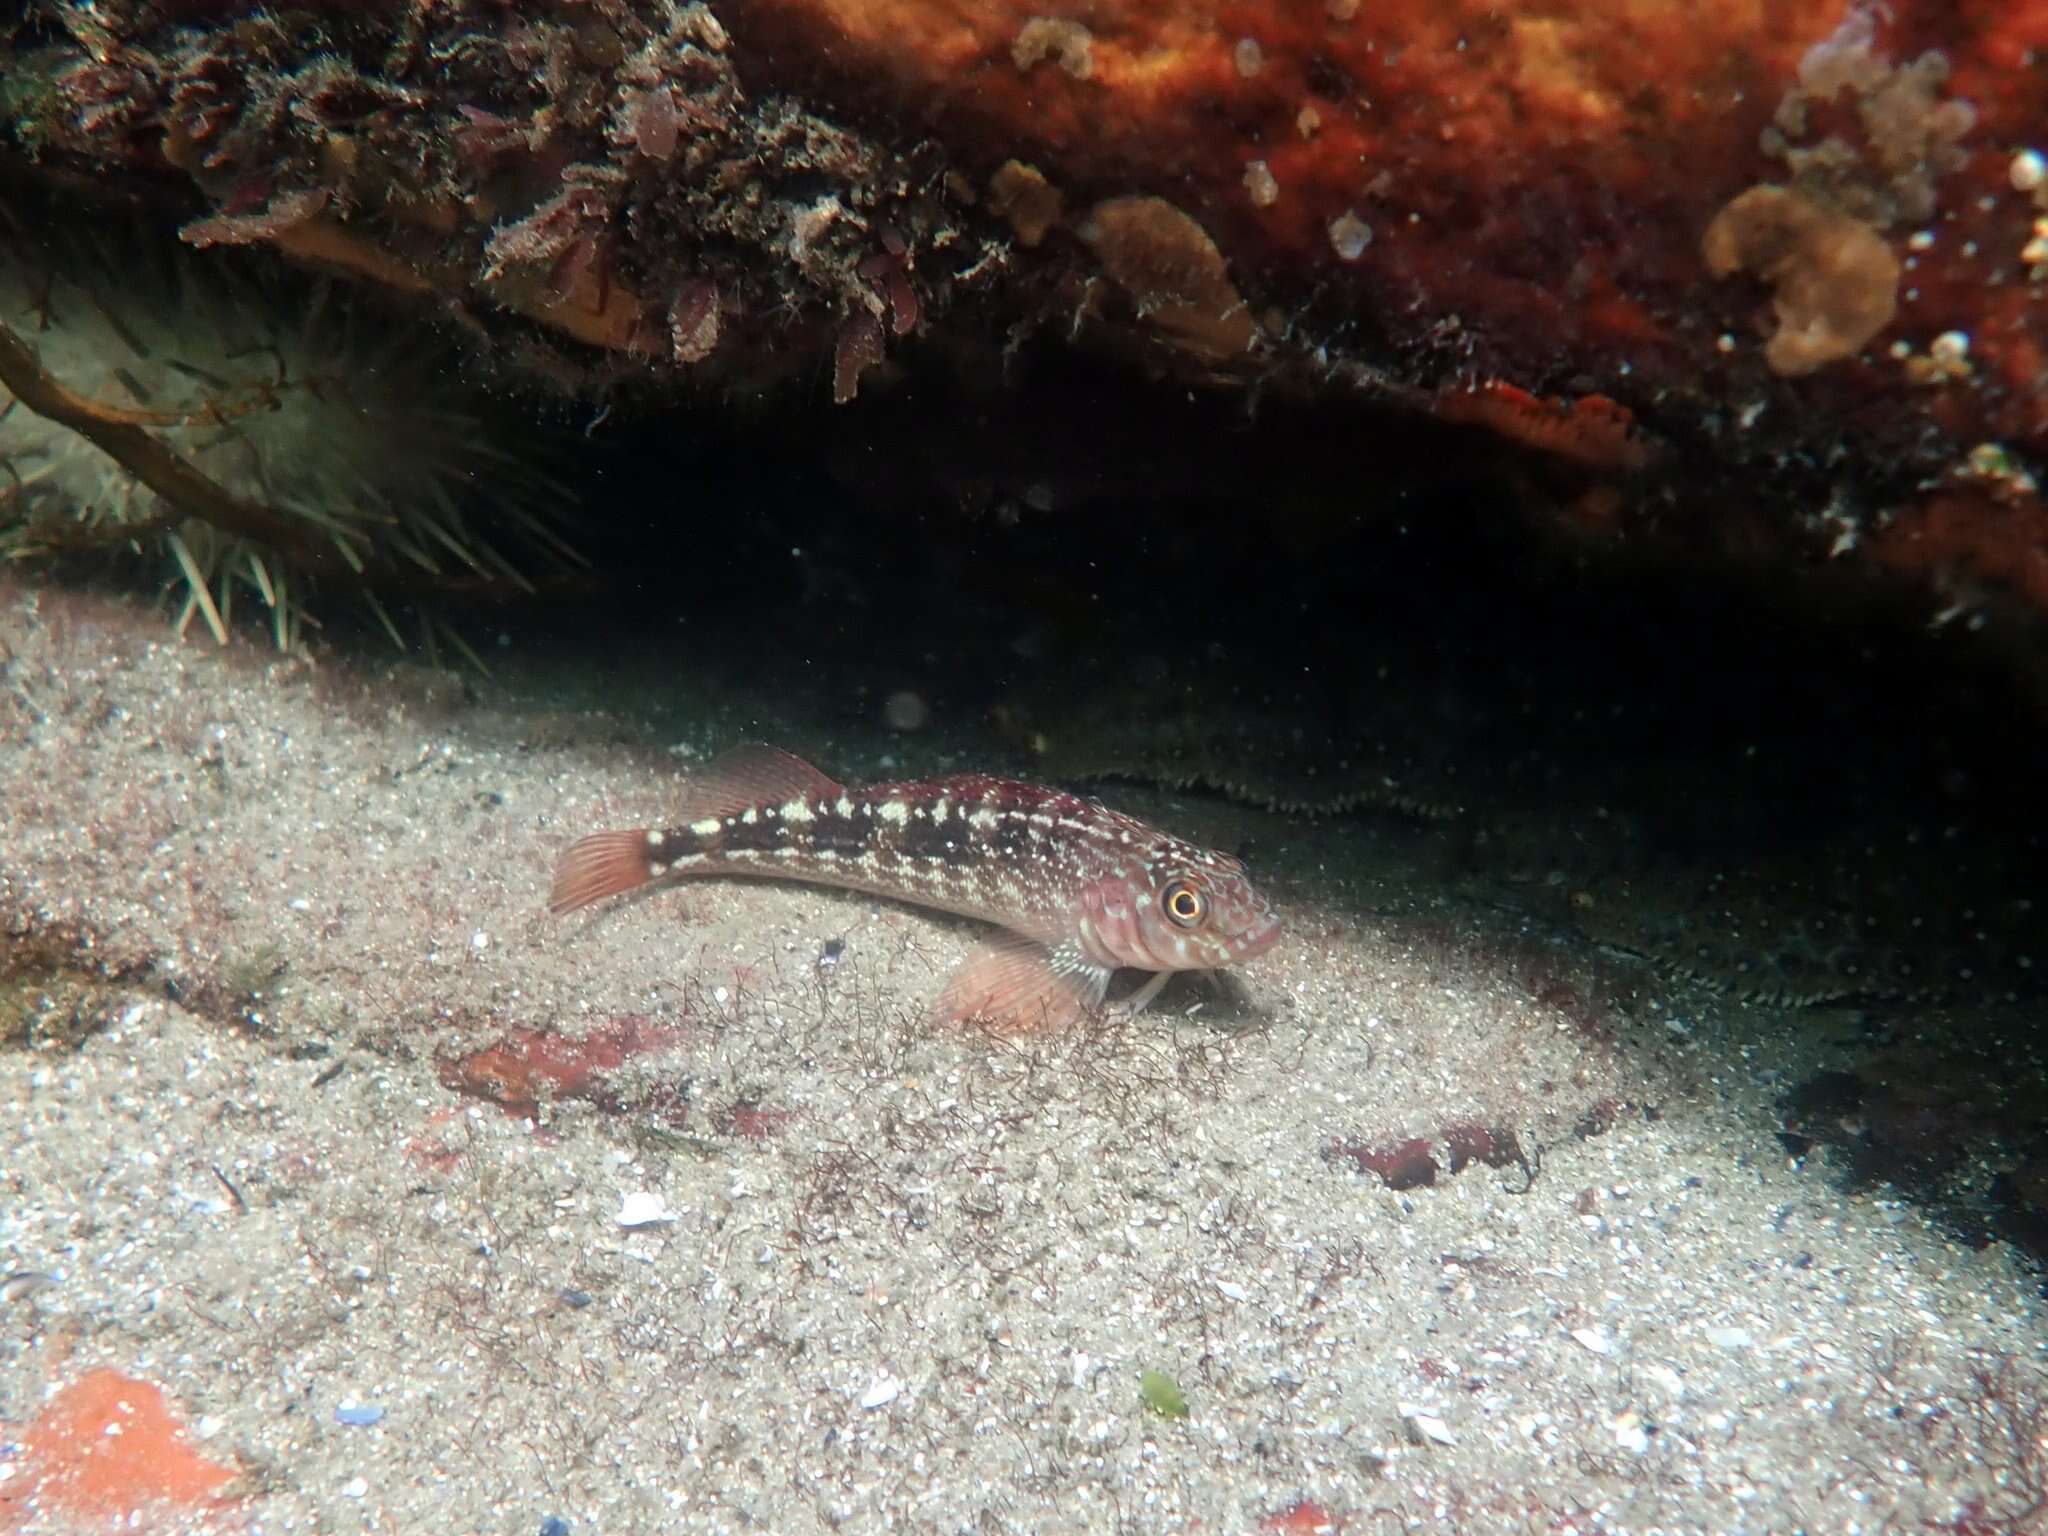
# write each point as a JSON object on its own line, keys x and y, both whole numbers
{"x": 921, "y": 837}
{"x": 763, "y": 835}
{"x": 1014, "y": 838}
{"x": 833, "y": 833}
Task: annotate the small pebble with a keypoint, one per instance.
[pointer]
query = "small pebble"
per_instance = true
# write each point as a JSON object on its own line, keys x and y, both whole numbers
{"x": 1250, "y": 58}
{"x": 1629, "y": 1432}
{"x": 2028, "y": 170}
{"x": 24, "y": 1283}
{"x": 1594, "y": 1339}
{"x": 361, "y": 1415}
{"x": 554, "y": 1525}
{"x": 576, "y": 1299}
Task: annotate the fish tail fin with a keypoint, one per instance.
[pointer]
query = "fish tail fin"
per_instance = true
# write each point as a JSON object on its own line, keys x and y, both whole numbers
{"x": 603, "y": 864}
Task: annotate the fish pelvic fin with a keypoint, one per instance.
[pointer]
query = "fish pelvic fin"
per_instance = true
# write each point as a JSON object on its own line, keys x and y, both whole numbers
{"x": 603, "y": 864}
{"x": 1016, "y": 987}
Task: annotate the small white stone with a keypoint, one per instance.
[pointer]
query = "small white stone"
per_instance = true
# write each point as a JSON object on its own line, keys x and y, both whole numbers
{"x": 1949, "y": 348}
{"x": 884, "y": 1392}
{"x": 1731, "y": 1338}
{"x": 643, "y": 1208}
{"x": 1249, "y": 56}
{"x": 479, "y": 941}
{"x": 1593, "y": 1339}
{"x": 356, "y": 1488}
{"x": 2028, "y": 170}
{"x": 1666, "y": 1378}
{"x": 1629, "y": 1433}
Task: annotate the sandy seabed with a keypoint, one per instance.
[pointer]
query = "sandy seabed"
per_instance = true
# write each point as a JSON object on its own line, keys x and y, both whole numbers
{"x": 428, "y": 1211}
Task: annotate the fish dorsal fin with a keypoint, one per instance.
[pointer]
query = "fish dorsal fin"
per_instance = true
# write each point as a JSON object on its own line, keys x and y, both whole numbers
{"x": 754, "y": 774}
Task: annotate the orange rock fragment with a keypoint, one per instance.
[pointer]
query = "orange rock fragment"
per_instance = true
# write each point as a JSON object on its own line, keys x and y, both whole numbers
{"x": 1834, "y": 281}
{"x": 1305, "y": 1517}
{"x": 109, "y": 1448}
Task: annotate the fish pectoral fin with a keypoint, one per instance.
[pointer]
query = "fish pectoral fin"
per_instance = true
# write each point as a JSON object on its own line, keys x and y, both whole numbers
{"x": 751, "y": 775}
{"x": 1141, "y": 999}
{"x": 1017, "y": 987}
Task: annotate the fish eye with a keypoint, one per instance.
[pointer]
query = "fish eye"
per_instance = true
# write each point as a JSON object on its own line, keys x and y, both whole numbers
{"x": 1184, "y": 904}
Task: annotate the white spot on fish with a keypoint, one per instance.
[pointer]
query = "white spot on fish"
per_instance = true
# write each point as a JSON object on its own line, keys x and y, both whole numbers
{"x": 749, "y": 816}
{"x": 654, "y": 839}
{"x": 1180, "y": 949}
{"x": 894, "y": 812}
{"x": 710, "y": 826}
{"x": 983, "y": 819}
{"x": 844, "y": 806}
{"x": 798, "y": 811}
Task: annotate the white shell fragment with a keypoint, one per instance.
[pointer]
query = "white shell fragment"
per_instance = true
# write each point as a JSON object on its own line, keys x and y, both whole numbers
{"x": 643, "y": 1208}
{"x": 1424, "y": 1426}
{"x": 1593, "y": 1339}
{"x": 884, "y": 1392}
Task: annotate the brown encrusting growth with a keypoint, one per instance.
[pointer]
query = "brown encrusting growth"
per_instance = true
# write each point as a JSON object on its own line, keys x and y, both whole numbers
{"x": 1746, "y": 227}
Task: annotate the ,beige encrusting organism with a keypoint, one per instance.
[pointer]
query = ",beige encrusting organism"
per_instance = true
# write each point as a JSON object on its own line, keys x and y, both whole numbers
{"x": 1173, "y": 273}
{"x": 1909, "y": 131}
{"x": 1020, "y": 194}
{"x": 1057, "y": 38}
{"x": 1834, "y": 280}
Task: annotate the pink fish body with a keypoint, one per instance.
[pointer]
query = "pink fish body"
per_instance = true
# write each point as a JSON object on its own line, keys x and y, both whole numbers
{"x": 1079, "y": 890}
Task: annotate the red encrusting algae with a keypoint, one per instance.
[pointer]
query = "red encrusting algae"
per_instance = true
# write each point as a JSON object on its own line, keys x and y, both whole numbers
{"x": 110, "y": 1448}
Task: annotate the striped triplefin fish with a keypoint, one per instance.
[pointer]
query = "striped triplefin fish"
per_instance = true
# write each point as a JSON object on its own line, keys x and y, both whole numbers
{"x": 1079, "y": 890}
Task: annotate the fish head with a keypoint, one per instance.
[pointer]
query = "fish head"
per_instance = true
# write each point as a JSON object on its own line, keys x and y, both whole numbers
{"x": 1182, "y": 908}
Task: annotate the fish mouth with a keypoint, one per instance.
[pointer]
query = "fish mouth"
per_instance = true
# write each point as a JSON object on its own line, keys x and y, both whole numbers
{"x": 1259, "y": 939}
